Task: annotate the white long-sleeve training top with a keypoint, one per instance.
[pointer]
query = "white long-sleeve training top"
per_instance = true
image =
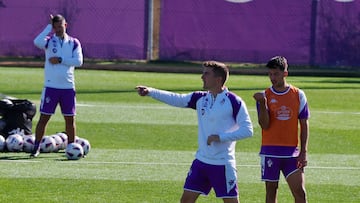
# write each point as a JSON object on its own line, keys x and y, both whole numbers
{"x": 60, "y": 76}
{"x": 226, "y": 115}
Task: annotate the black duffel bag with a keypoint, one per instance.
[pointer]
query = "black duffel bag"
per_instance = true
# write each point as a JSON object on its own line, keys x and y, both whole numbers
{"x": 17, "y": 115}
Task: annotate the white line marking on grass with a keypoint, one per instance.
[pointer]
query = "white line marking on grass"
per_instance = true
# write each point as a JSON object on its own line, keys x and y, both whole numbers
{"x": 89, "y": 105}
{"x": 188, "y": 164}
{"x": 120, "y": 106}
{"x": 168, "y": 107}
{"x": 334, "y": 167}
{"x": 131, "y": 163}
{"x": 20, "y": 161}
{"x": 337, "y": 112}
{"x": 173, "y": 164}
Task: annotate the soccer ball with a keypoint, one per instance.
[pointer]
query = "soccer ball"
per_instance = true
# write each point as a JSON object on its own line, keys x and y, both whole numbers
{"x": 2, "y": 143}
{"x": 47, "y": 144}
{"x": 58, "y": 142}
{"x": 74, "y": 151}
{"x": 64, "y": 138}
{"x": 85, "y": 145}
{"x": 76, "y": 138}
{"x": 29, "y": 142}
{"x": 14, "y": 143}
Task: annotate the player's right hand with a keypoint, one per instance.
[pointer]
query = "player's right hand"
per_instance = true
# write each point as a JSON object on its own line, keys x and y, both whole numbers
{"x": 142, "y": 90}
{"x": 259, "y": 97}
{"x": 51, "y": 18}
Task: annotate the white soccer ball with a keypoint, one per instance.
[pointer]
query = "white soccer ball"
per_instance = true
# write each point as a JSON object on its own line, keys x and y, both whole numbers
{"x": 74, "y": 151}
{"x": 64, "y": 138}
{"x": 29, "y": 142}
{"x": 14, "y": 143}
{"x": 2, "y": 143}
{"x": 85, "y": 145}
{"x": 47, "y": 144}
{"x": 58, "y": 142}
{"x": 76, "y": 138}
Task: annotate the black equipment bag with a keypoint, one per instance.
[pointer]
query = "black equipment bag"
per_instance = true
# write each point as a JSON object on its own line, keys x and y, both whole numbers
{"x": 17, "y": 115}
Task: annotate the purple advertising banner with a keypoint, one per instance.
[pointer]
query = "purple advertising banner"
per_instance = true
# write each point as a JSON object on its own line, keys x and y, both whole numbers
{"x": 244, "y": 32}
{"x": 109, "y": 29}
{"x": 307, "y": 32}
{"x": 312, "y": 32}
{"x": 338, "y": 33}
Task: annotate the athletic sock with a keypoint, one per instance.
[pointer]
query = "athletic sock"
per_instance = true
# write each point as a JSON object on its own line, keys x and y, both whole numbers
{"x": 36, "y": 146}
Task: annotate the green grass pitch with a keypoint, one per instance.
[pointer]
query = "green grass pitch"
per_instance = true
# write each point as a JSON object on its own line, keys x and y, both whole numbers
{"x": 142, "y": 149}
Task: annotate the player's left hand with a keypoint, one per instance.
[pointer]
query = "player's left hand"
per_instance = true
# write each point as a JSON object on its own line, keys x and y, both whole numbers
{"x": 213, "y": 138}
{"x": 54, "y": 60}
{"x": 302, "y": 160}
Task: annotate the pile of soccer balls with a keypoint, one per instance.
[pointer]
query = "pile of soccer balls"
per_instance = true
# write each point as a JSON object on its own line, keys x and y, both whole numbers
{"x": 49, "y": 143}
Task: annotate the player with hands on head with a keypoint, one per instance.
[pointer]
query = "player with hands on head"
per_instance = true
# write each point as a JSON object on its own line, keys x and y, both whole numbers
{"x": 223, "y": 119}
{"x": 62, "y": 54}
{"x": 281, "y": 109}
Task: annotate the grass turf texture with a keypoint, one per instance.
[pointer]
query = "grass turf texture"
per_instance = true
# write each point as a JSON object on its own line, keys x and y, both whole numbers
{"x": 142, "y": 149}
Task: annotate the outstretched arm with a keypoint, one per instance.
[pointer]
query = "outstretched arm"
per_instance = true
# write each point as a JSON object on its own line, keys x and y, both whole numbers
{"x": 170, "y": 98}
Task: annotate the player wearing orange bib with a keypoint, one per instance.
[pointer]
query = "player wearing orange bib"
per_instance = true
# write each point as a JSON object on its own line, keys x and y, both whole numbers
{"x": 281, "y": 108}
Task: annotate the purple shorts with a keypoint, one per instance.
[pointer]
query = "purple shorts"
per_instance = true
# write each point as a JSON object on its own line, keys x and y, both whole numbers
{"x": 51, "y": 97}
{"x": 202, "y": 177}
{"x": 271, "y": 167}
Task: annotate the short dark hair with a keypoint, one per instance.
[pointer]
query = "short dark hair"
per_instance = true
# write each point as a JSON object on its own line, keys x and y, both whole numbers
{"x": 278, "y": 62}
{"x": 58, "y": 18}
{"x": 219, "y": 69}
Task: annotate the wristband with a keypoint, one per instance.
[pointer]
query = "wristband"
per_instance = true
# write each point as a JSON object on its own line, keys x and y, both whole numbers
{"x": 59, "y": 59}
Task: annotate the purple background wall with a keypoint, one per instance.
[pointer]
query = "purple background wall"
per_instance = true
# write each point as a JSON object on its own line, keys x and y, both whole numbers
{"x": 246, "y": 32}
{"x": 316, "y": 32}
{"x": 338, "y": 33}
{"x": 107, "y": 29}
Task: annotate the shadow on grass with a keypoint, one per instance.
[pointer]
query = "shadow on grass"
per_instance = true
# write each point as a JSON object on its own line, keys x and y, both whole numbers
{"x": 16, "y": 156}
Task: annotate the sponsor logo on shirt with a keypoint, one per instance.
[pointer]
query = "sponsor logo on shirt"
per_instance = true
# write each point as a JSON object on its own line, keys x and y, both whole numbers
{"x": 283, "y": 113}
{"x": 273, "y": 101}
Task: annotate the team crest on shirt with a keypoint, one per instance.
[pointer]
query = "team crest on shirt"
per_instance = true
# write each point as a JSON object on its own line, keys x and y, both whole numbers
{"x": 283, "y": 113}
